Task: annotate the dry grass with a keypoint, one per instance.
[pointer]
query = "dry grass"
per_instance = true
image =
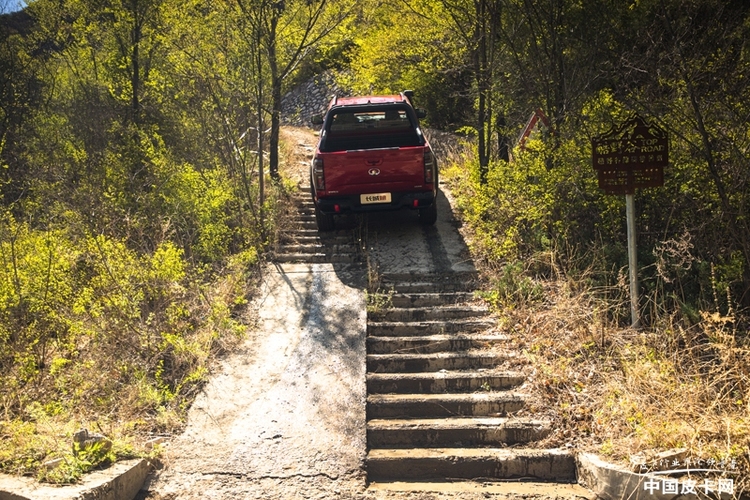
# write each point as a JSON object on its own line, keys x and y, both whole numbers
{"x": 620, "y": 392}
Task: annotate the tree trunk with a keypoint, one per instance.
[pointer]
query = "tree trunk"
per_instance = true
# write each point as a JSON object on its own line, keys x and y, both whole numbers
{"x": 261, "y": 131}
{"x": 135, "y": 80}
{"x": 480, "y": 64}
{"x": 503, "y": 146}
{"x": 273, "y": 139}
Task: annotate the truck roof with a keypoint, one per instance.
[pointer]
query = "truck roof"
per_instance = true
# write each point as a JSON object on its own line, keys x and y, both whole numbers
{"x": 368, "y": 99}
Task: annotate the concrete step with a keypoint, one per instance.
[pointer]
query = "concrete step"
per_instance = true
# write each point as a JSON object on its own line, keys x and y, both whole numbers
{"x": 301, "y": 198}
{"x": 436, "y": 277}
{"x": 308, "y": 237}
{"x": 430, "y": 299}
{"x": 434, "y": 327}
{"x": 314, "y": 258}
{"x": 454, "y": 432}
{"x": 432, "y": 343}
{"x": 479, "y": 488}
{"x": 443, "y": 381}
{"x": 302, "y": 224}
{"x": 436, "y": 464}
{"x": 478, "y": 404}
{"x": 449, "y": 312}
{"x": 302, "y": 239}
{"x": 305, "y": 215}
{"x": 337, "y": 239}
{"x": 313, "y": 231}
{"x": 301, "y": 233}
{"x": 432, "y": 362}
{"x": 429, "y": 283}
{"x": 303, "y": 201}
{"x": 317, "y": 248}
{"x": 308, "y": 258}
{"x": 426, "y": 287}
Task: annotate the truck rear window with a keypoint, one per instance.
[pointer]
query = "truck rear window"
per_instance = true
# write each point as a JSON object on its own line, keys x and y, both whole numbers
{"x": 370, "y": 129}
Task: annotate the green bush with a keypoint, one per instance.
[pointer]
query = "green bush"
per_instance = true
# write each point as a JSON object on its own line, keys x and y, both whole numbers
{"x": 90, "y": 327}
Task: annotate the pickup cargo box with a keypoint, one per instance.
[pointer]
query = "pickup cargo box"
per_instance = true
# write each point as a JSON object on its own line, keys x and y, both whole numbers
{"x": 372, "y": 156}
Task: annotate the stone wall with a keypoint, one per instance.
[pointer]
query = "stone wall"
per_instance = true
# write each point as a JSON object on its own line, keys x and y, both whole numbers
{"x": 308, "y": 99}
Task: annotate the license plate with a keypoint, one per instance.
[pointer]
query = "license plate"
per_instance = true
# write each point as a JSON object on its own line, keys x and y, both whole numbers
{"x": 368, "y": 199}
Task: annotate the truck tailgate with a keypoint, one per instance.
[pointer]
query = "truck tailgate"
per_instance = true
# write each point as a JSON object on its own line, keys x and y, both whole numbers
{"x": 375, "y": 170}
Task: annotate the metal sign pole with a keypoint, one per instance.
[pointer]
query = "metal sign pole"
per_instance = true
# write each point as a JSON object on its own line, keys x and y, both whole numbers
{"x": 632, "y": 260}
{"x": 626, "y": 158}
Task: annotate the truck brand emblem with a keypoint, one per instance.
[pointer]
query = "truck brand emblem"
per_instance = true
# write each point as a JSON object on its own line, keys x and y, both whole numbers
{"x": 374, "y": 171}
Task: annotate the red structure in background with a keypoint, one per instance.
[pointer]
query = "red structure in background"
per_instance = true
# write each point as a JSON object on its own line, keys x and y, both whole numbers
{"x": 536, "y": 117}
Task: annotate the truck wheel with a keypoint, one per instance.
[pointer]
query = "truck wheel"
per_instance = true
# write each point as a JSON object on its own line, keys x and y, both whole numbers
{"x": 323, "y": 221}
{"x": 428, "y": 216}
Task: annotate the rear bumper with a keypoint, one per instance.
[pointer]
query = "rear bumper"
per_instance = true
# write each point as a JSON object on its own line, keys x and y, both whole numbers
{"x": 352, "y": 204}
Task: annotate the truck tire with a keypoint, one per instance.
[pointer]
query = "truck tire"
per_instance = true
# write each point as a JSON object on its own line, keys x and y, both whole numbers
{"x": 323, "y": 221}
{"x": 428, "y": 215}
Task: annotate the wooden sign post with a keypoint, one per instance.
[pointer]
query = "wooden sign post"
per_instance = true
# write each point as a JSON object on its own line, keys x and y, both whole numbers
{"x": 629, "y": 157}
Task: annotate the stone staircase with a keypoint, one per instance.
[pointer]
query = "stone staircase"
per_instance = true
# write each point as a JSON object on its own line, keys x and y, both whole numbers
{"x": 442, "y": 395}
{"x": 441, "y": 400}
{"x": 300, "y": 241}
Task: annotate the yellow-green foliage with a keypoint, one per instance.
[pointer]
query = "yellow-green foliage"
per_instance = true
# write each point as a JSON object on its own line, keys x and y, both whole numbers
{"x": 46, "y": 436}
{"x": 507, "y": 209}
{"x": 131, "y": 224}
{"x": 390, "y": 57}
{"x": 399, "y": 46}
{"x": 90, "y": 327}
{"x": 200, "y": 202}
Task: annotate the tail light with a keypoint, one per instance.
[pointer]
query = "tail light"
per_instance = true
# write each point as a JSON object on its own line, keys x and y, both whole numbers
{"x": 429, "y": 165}
{"x": 318, "y": 177}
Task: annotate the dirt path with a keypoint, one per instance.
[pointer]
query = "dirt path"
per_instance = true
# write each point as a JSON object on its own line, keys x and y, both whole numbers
{"x": 299, "y": 145}
{"x": 283, "y": 417}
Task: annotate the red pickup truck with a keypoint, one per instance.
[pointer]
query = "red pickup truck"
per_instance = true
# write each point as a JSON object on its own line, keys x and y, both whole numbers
{"x": 372, "y": 156}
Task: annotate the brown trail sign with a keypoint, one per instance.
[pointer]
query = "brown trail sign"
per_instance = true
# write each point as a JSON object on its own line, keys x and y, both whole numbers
{"x": 629, "y": 157}
{"x": 632, "y": 156}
